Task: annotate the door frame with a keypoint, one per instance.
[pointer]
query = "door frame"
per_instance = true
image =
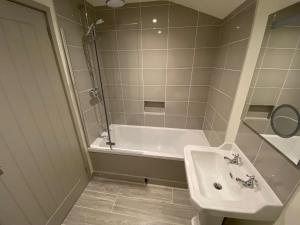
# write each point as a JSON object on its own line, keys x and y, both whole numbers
{"x": 61, "y": 62}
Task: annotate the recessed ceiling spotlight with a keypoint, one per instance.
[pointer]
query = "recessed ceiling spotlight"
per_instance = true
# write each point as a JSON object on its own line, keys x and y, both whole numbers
{"x": 159, "y": 32}
{"x": 154, "y": 20}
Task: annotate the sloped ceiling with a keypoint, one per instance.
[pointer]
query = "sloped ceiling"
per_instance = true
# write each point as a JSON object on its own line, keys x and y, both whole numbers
{"x": 217, "y": 8}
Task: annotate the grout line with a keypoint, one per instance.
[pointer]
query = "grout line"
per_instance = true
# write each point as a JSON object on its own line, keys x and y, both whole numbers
{"x": 119, "y": 71}
{"x": 192, "y": 71}
{"x": 140, "y": 33}
{"x": 167, "y": 62}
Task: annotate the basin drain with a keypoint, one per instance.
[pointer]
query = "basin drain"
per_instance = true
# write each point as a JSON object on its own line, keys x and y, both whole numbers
{"x": 218, "y": 186}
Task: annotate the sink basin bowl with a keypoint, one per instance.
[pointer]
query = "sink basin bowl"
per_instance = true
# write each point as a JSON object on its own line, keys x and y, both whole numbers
{"x": 215, "y": 191}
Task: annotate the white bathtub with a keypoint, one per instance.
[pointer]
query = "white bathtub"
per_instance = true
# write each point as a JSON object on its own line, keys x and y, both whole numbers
{"x": 149, "y": 141}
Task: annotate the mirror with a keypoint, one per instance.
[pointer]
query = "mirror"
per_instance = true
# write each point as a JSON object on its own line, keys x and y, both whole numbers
{"x": 273, "y": 103}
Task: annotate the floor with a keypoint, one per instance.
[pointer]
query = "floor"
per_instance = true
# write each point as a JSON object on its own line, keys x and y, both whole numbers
{"x": 111, "y": 202}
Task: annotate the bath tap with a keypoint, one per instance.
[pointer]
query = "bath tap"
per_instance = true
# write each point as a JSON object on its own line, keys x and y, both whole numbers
{"x": 237, "y": 160}
{"x": 250, "y": 183}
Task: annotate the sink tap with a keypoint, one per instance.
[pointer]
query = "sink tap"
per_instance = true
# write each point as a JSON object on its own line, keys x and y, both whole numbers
{"x": 250, "y": 183}
{"x": 237, "y": 160}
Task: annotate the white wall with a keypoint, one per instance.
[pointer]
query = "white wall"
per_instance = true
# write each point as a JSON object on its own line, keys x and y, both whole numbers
{"x": 290, "y": 215}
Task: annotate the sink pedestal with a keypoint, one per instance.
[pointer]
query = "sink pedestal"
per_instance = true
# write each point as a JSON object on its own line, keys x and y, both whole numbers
{"x": 202, "y": 219}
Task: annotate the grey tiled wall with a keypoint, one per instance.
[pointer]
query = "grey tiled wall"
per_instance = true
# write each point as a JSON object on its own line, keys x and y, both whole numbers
{"x": 169, "y": 61}
{"x": 231, "y": 51}
{"x": 70, "y": 19}
{"x": 277, "y": 170}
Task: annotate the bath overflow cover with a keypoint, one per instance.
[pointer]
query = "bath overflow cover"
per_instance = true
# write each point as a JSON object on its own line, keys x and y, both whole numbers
{"x": 218, "y": 186}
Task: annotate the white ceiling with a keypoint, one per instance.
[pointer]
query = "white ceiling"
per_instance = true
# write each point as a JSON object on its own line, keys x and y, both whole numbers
{"x": 217, "y": 8}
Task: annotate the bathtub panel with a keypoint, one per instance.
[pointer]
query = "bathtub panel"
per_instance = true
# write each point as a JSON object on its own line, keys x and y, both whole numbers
{"x": 137, "y": 168}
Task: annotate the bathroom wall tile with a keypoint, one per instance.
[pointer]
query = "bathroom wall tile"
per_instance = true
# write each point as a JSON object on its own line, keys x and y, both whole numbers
{"x": 195, "y": 123}
{"x": 199, "y": 93}
{"x": 265, "y": 96}
{"x": 133, "y": 107}
{"x": 229, "y": 82}
{"x": 179, "y": 76}
{"x": 209, "y": 114}
{"x": 109, "y": 59}
{"x": 216, "y": 78}
{"x": 180, "y": 58}
{"x": 83, "y": 80}
{"x": 129, "y": 39}
{"x": 207, "y": 37}
{"x": 154, "y": 120}
{"x": 77, "y": 58}
{"x": 154, "y": 58}
{"x": 177, "y": 93}
{"x": 154, "y": 93}
{"x": 129, "y": 59}
{"x": 201, "y": 76}
{"x": 182, "y": 16}
{"x": 223, "y": 105}
{"x": 236, "y": 55}
{"x": 133, "y": 92}
{"x": 128, "y": 18}
{"x": 86, "y": 101}
{"x": 111, "y": 76}
{"x": 241, "y": 24}
{"x": 131, "y": 76}
{"x": 293, "y": 79}
{"x": 220, "y": 126}
{"x": 135, "y": 119}
{"x": 204, "y": 57}
{"x": 290, "y": 96}
{"x": 220, "y": 57}
{"x": 160, "y": 13}
{"x": 116, "y": 106}
{"x": 280, "y": 174}
{"x": 176, "y": 108}
{"x": 90, "y": 118}
{"x": 93, "y": 133}
{"x": 271, "y": 78}
{"x": 154, "y": 76}
{"x": 182, "y": 37}
{"x": 108, "y": 16}
{"x": 114, "y": 92}
{"x": 277, "y": 58}
{"x": 73, "y": 32}
{"x": 175, "y": 121}
{"x": 212, "y": 137}
{"x": 248, "y": 141}
{"x": 107, "y": 40}
{"x": 68, "y": 9}
{"x": 117, "y": 118}
{"x": 196, "y": 109}
{"x": 284, "y": 37}
{"x": 154, "y": 39}
{"x": 205, "y": 20}
{"x": 296, "y": 61}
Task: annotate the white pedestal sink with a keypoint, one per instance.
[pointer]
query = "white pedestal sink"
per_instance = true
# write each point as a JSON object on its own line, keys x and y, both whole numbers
{"x": 215, "y": 192}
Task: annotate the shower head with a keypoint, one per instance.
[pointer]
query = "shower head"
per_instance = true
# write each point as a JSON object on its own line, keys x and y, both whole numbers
{"x": 93, "y": 25}
{"x": 115, "y": 3}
